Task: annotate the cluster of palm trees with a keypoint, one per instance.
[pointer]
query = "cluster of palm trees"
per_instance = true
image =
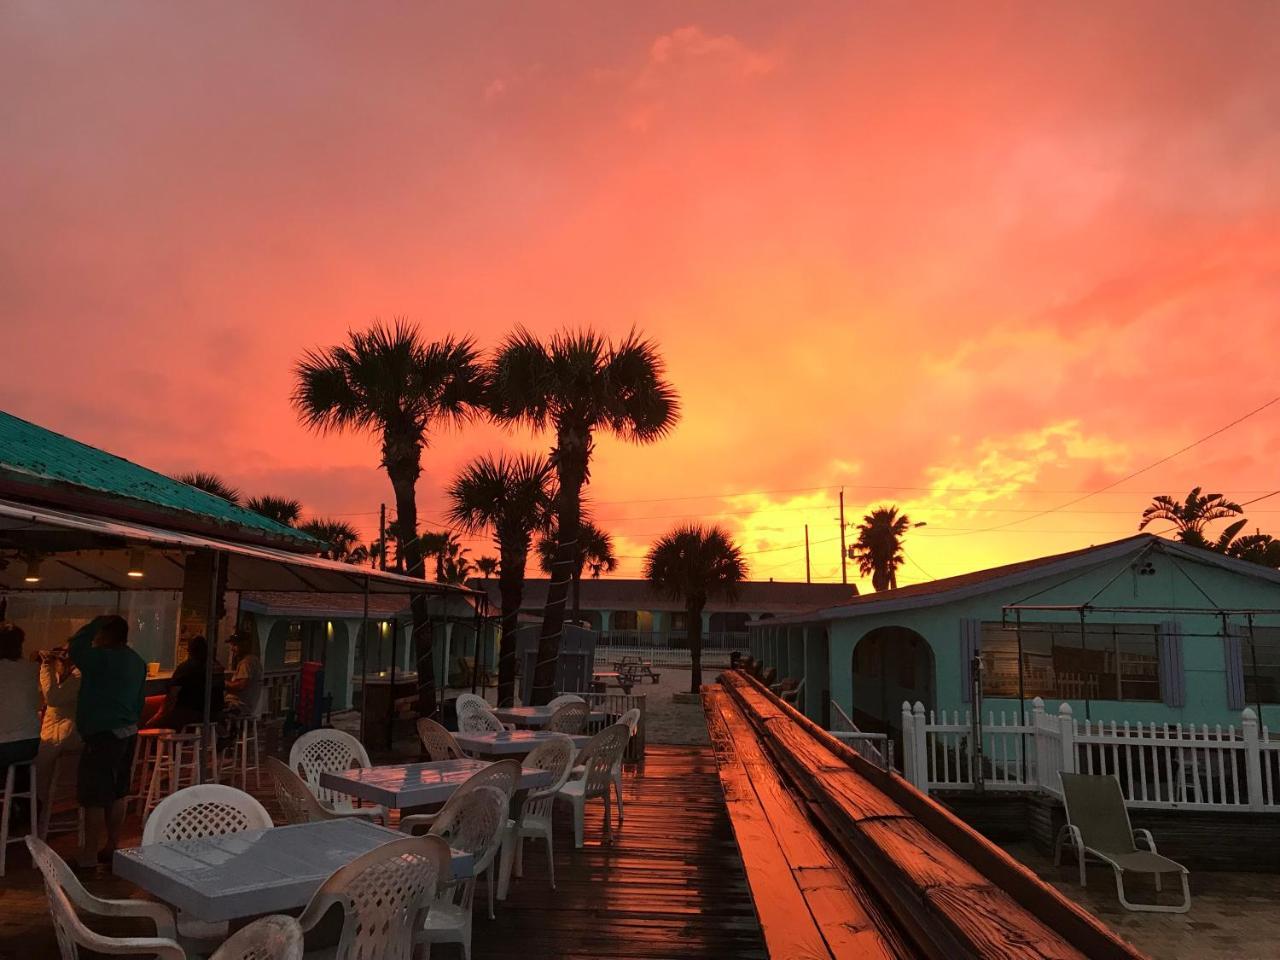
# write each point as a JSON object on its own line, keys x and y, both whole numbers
{"x": 341, "y": 541}
{"x": 1192, "y": 515}
{"x": 390, "y": 381}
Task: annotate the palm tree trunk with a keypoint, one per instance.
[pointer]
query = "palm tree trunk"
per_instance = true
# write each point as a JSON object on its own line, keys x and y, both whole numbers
{"x": 571, "y": 464}
{"x": 577, "y": 592}
{"x": 511, "y": 586}
{"x": 693, "y": 617}
{"x": 404, "y": 473}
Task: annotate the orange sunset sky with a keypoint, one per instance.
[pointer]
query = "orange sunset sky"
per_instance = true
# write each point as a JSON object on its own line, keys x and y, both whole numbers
{"x": 972, "y": 259}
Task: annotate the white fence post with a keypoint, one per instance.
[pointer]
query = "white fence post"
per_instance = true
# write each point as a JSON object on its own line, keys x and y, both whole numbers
{"x": 1039, "y": 759}
{"x": 1252, "y": 757}
{"x": 1067, "y": 732}
{"x": 908, "y": 744}
{"x": 919, "y": 744}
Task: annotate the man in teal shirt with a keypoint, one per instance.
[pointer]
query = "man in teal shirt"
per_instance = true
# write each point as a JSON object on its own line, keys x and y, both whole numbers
{"x": 112, "y": 694}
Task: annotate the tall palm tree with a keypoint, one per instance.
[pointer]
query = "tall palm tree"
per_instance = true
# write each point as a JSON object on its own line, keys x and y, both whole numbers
{"x": 511, "y": 497}
{"x": 209, "y": 483}
{"x": 1192, "y": 515}
{"x": 577, "y": 383}
{"x": 284, "y": 510}
{"x": 694, "y": 563}
{"x": 878, "y": 549}
{"x": 390, "y": 382}
{"x": 341, "y": 540}
{"x": 594, "y": 553}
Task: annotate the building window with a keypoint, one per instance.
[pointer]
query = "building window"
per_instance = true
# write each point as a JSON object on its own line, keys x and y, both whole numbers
{"x": 624, "y": 620}
{"x": 1261, "y": 656}
{"x": 293, "y": 643}
{"x": 679, "y": 621}
{"x": 1105, "y": 661}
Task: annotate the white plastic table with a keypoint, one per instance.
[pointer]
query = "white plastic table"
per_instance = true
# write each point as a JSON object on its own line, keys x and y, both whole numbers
{"x": 536, "y": 717}
{"x": 511, "y": 743}
{"x": 241, "y": 875}
{"x": 404, "y": 785}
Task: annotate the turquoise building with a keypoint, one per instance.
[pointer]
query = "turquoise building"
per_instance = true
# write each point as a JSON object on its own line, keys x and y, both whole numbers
{"x": 1140, "y": 629}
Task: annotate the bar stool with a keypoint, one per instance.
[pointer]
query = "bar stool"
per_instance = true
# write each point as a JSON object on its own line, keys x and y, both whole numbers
{"x": 11, "y": 793}
{"x": 63, "y": 759}
{"x": 146, "y": 749}
{"x": 178, "y": 758}
{"x": 236, "y": 758}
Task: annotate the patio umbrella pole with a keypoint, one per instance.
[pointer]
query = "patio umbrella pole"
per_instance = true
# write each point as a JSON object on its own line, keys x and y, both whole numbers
{"x": 211, "y": 635}
{"x": 391, "y": 696}
{"x": 364, "y": 659}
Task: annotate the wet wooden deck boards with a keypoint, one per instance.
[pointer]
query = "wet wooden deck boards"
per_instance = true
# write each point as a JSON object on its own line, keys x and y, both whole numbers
{"x": 670, "y": 885}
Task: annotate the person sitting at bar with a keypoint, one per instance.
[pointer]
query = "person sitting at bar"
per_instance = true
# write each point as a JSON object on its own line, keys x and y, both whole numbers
{"x": 184, "y": 699}
{"x": 112, "y": 693}
{"x": 244, "y": 686}
{"x": 60, "y": 686}
{"x": 19, "y": 705}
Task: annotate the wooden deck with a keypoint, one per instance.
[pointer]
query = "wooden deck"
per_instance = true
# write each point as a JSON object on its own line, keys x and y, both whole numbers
{"x": 670, "y": 885}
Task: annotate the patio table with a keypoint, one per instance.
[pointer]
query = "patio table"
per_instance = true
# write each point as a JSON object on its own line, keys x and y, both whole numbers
{"x": 537, "y": 717}
{"x": 511, "y": 743}
{"x": 405, "y": 785}
{"x": 240, "y": 875}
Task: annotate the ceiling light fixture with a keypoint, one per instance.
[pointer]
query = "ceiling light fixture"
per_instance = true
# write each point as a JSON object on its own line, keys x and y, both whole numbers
{"x": 33, "y": 570}
{"x": 135, "y": 563}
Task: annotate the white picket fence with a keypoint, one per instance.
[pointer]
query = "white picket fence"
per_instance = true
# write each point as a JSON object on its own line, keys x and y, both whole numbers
{"x": 1169, "y": 766}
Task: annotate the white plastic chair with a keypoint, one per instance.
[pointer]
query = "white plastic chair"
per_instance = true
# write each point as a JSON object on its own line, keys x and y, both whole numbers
{"x": 297, "y": 803}
{"x": 383, "y": 895}
{"x": 502, "y": 774}
{"x": 205, "y": 810}
{"x": 598, "y": 758}
{"x": 631, "y": 719}
{"x": 554, "y": 755}
{"x": 67, "y": 895}
{"x": 558, "y": 702}
{"x": 271, "y": 938}
{"x": 332, "y": 751}
{"x": 437, "y": 741}
{"x": 475, "y": 826}
{"x": 476, "y": 716}
{"x": 568, "y": 718}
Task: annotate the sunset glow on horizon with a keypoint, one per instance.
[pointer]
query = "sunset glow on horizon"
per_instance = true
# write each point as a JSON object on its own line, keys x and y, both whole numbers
{"x": 975, "y": 264}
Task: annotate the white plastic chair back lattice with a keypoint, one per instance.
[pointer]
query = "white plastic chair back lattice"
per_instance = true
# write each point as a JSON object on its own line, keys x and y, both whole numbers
{"x": 332, "y": 751}
{"x": 271, "y": 938}
{"x": 475, "y": 825}
{"x": 631, "y": 719}
{"x": 437, "y": 741}
{"x": 383, "y": 895}
{"x": 502, "y": 775}
{"x": 205, "y": 810}
{"x": 72, "y": 934}
{"x": 475, "y": 715}
{"x": 558, "y": 702}
{"x": 59, "y": 876}
{"x": 297, "y": 803}
{"x": 569, "y": 718}
{"x": 599, "y": 756}
{"x": 555, "y": 755}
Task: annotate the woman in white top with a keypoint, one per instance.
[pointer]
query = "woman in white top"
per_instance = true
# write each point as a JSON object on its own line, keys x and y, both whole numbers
{"x": 20, "y": 702}
{"x": 60, "y": 686}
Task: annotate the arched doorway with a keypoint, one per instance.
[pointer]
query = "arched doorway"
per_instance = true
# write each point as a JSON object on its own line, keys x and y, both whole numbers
{"x": 890, "y": 665}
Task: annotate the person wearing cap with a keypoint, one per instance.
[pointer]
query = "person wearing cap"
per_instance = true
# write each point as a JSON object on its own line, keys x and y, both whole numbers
{"x": 244, "y": 686}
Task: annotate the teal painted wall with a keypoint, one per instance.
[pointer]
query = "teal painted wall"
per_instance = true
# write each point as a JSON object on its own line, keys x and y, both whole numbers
{"x": 1176, "y": 582}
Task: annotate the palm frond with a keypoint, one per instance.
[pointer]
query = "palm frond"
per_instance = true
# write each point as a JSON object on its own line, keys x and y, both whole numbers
{"x": 209, "y": 483}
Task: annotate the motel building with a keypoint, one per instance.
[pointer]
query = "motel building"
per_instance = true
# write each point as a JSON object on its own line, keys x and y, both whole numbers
{"x": 1139, "y": 630}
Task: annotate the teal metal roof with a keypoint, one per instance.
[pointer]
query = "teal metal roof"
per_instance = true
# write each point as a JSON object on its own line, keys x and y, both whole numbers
{"x": 30, "y": 451}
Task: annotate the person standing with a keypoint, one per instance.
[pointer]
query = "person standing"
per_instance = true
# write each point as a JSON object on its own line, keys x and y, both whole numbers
{"x": 112, "y": 694}
{"x": 19, "y": 702}
{"x": 60, "y": 687}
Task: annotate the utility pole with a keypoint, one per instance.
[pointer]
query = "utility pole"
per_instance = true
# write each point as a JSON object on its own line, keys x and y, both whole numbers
{"x": 844, "y": 552}
{"x": 807, "y": 575}
{"x": 382, "y": 536}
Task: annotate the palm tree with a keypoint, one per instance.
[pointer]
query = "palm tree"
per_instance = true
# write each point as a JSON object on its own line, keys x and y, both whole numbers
{"x": 510, "y": 497}
{"x": 878, "y": 549}
{"x": 1257, "y": 547}
{"x": 390, "y": 382}
{"x": 452, "y": 563}
{"x": 341, "y": 540}
{"x": 594, "y": 553}
{"x": 577, "y": 383}
{"x": 1192, "y": 515}
{"x": 209, "y": 483}
{"x": 487, "y": 566}
{"x": 284, "y": 510}
{"x": 695, "y": 564}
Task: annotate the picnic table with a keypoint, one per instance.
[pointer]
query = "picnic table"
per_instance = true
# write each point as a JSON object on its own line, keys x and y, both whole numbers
{"x": 602, "y": 678}
{"x": 537, "y": 717}
{"x": 237, "y": 876}
{"x": 633, "y": 668}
